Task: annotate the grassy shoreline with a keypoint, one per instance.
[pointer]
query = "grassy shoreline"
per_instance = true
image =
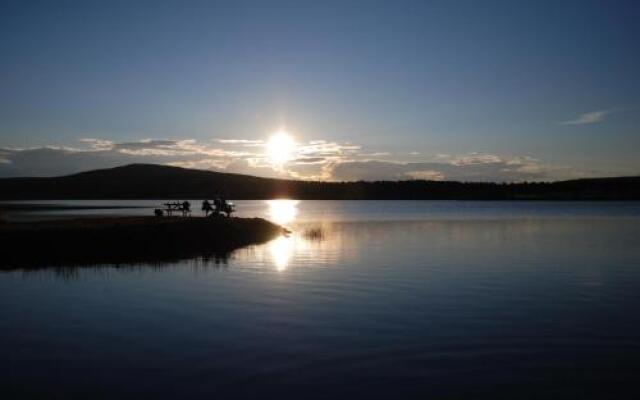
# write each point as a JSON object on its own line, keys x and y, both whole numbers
{"x": 126, "y": 240}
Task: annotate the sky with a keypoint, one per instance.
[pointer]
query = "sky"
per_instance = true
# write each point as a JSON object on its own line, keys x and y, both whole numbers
{"x": 461, "y": 90}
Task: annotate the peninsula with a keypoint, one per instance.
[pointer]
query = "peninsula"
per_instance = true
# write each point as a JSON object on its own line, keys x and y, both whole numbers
{"x": 127, "y": 240}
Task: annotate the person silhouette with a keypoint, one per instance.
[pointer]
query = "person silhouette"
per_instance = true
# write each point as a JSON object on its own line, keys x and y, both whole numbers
{"x": 206, "y": 207}
{"x": 218, "y": 205}
{"x": 186, "y": 208}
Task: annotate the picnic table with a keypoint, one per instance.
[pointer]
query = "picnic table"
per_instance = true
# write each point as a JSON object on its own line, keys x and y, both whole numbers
{"x": 175, "y": 206}
{"x": 219, "y": 207}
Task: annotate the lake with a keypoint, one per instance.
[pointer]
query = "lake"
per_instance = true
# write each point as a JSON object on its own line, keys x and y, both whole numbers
{"x": 365, "y": 299}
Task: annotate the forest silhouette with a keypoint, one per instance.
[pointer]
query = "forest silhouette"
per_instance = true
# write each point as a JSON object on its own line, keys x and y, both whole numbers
{"x": 150, "y": 181}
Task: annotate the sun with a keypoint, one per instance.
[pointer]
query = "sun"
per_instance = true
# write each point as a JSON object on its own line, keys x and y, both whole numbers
{"x": 281, "y": 148}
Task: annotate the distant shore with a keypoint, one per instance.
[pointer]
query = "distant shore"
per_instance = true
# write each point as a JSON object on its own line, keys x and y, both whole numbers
{"x": 148, "y": 181}
{"x": 126, "y": 240}
{"x": 35, "y": 206}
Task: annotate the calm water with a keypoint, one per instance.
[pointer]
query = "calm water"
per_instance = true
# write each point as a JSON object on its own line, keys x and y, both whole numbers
{"x": 363, "y": 300}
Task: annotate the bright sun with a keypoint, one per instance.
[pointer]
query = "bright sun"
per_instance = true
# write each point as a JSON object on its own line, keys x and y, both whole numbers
{"x": 280, "y": 148}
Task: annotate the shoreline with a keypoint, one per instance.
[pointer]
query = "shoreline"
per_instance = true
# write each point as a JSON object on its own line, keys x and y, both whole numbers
{"x": 126, "y": 240}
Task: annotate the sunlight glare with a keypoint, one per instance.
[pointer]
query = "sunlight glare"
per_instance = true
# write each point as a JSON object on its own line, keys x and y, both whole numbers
{"x": 283, "y": 211}
{"x": 281, "y": 251}
{"x": 280, "y": 147}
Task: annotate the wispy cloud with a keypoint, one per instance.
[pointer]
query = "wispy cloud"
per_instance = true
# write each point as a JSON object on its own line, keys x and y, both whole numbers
{"x": 230, "y": 155}
{"x": 317, "y": 160}
{"x": 592, "y": 117}
{"x": 245, "y": 142}
{"x": 474, "y": 167}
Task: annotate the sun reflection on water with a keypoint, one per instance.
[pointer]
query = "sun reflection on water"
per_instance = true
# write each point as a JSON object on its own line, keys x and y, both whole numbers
{"x": 281, "y": 250}
{"x": 283, "y": 211}
{"x": 304, "y": 241}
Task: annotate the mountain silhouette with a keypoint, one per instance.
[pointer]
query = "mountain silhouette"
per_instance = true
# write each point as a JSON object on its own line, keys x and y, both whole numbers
{"x": 149, "y": 181}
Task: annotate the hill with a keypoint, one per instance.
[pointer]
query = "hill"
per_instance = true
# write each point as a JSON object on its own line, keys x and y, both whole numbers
{"x": 148, "y": 181}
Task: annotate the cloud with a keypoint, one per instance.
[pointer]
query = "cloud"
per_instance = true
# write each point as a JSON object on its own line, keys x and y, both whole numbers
{"x": 317, "y": 160}
{"x": 231, "y": 155}
{"x": 476, "y": 167}
{"x": 309, "y": 160}
{"x": 321, "y": 148}
{"x": 476, "y": 159}
{"x": 252, "y": 166}
{"x": 99, "y": 153}
{"x": 588, "y": 118}
{"x": 244, "y": 142}
{"x": 426, "y": 175}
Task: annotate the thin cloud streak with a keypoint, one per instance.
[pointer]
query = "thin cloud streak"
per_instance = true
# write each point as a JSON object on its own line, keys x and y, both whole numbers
{"x": 592, "y": 117}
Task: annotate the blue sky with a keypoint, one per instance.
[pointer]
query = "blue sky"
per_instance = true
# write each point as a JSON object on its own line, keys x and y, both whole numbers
{"x": 492, "y": 90}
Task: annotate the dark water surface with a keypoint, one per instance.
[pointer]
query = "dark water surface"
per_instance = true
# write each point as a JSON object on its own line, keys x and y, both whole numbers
{"x": 363, "y": 300}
